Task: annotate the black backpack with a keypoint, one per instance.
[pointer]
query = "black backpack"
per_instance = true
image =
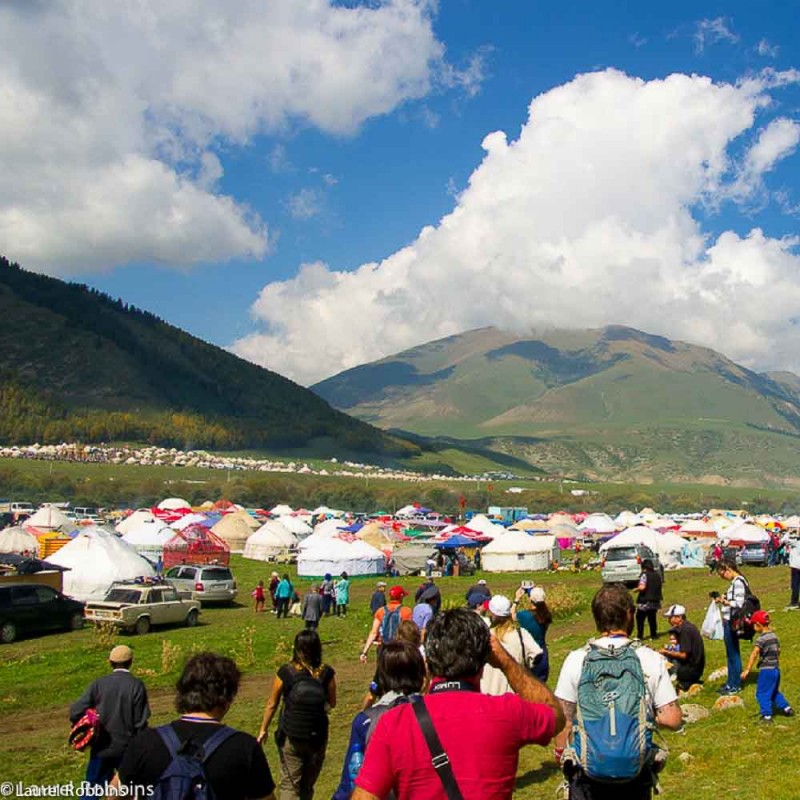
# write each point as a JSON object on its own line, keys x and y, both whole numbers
{"x": 304, "y": 716}
{"x": 741, "y": 622}
{"x": 185, "y": 776}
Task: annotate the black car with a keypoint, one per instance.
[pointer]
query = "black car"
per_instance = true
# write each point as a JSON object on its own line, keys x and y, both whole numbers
{"x": 32, "y": 607}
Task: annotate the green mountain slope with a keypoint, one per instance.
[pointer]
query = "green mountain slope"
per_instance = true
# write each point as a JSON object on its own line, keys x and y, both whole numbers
{"x": 611, "y": 403}
{"x": 77, "y": 364}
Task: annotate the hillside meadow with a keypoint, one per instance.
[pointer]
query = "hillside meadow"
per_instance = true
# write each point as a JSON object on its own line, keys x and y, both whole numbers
{"x": 728, "y": 755}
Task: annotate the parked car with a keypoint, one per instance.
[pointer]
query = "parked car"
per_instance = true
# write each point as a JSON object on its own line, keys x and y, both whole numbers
{"x": 208, "y": 583}
{"x": 755, "y": 553}
{"x": 623, "y": 563}
{"x": 136, "y": 607}
{"x": 33, "y": 608}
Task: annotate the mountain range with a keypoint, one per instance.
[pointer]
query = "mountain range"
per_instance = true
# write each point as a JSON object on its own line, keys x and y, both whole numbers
{"x": 608, "y": 403}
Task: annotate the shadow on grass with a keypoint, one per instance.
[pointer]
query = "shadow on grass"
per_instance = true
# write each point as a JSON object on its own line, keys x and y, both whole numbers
{"x": 534, "y": 776}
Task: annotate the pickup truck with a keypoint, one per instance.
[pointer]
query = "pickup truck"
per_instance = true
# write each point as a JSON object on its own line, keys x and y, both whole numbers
{"x": 136, "y": 607}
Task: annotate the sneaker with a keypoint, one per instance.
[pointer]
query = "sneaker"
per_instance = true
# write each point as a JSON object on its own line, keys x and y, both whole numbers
{"x": 788, "y": 711}
{"x": 792, "y": 607}
{"x": 766, "y": 720}
{"x": 728, "y": 690}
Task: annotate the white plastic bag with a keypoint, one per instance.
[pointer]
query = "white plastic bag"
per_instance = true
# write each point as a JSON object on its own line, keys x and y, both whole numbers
{"x": 712, "y": 624}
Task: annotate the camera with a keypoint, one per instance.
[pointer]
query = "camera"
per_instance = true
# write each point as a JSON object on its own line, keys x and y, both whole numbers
{"x": 713, "y": 595}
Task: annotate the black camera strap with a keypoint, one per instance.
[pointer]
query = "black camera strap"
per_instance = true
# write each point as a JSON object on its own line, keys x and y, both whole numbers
{"x": 439, "y": 759}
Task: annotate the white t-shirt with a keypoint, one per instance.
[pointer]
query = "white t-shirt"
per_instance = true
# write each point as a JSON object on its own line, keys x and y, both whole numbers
{"x": 493, "y": 680}
{"x": 660, "y": 690}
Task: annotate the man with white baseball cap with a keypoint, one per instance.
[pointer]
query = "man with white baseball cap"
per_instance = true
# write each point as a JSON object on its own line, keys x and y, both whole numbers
{"x": 690, "y": 658}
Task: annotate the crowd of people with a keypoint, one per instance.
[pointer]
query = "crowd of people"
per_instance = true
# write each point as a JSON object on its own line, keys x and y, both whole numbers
{"x": 438, "y": 670}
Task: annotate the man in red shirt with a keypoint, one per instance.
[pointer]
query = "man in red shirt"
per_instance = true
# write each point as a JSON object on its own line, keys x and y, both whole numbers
{"x": 484, "y": 765}
{"x": 396, "y": 595}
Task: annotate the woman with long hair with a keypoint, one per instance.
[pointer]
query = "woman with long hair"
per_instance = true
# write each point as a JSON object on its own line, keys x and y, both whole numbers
{"x": 519, "y": 644}
{"x": 307, "y": 687}
{"x": 536, "y": 620}
{"x": 648, "y": 599}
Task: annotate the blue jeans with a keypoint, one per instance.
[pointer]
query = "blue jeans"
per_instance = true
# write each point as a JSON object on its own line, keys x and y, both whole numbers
{"x": 768, "y": 691}
{"x": 733, "y": 655}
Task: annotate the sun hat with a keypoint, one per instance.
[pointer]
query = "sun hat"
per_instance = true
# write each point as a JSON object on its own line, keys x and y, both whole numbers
{"x": 675, "y": 611}
{"x": 500, "y": 606}
{"x": 537, "y": 595}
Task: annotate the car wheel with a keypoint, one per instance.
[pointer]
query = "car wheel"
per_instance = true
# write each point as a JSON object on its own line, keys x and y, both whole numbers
{"x": 76, "y": 621}
{"x": 8, "y": 632}
{"x": 191, "y": 618}
{"x": 142, "y": 626}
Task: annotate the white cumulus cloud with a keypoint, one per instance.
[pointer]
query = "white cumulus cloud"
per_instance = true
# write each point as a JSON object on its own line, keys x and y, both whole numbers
{"x": 114, "y": 113}
{"x": 591, "y": 217}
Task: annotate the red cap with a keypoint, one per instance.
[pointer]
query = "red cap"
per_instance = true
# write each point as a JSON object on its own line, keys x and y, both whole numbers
{"x": 761, "y": 617}
{"x": 397, "y": 593}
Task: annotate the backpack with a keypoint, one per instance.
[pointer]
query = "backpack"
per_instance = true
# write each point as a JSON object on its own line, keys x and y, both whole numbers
{"x": 185, "y": 776}
{"x": 304, "y": 716}
{"x": 741, "y": 624}
{"x": 613, "y": 726}
{"x": 390, "y": 624}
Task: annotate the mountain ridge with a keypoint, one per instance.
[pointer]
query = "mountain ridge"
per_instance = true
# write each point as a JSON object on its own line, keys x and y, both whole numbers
{"x": 601, "y": 403}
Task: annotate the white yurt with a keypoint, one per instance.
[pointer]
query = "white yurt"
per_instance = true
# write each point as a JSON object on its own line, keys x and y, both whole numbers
{"x": 336, "y": 555}
{"x": 517, "y": 551}
{"x": 484, "y": 526}
{"x": 597, "y": 523}
{"x": 269, "y": 541}
{"x": 96, "y": 559}
{"x": 49, "y": 518}
{"x": 18, "y": 540}
{"x": 697, "y": 527}
{"x": 296, "y": 525}
{"x": 281, "y": 510}
{"x": 744, "y": 532}
{"x": 174, "y": 503}
{"x": 149, "y": 538}
{"x": 134, "y": 520}
{"x": 627, "y": 519}
{"x": 195, "y": 518}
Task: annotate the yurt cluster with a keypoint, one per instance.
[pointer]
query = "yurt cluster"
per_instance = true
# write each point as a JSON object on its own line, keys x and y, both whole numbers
{"x": 324, "y": 540}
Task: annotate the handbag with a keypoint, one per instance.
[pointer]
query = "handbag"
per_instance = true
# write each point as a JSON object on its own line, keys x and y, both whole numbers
{"x": 439, "y": 759}
{"x": 85, "y": 730}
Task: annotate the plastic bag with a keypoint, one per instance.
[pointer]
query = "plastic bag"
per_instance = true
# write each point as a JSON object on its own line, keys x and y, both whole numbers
{"x": 712, "y": 624}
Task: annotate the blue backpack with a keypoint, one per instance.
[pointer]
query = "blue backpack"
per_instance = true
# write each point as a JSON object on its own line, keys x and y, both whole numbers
{"x": 613, "y": 726}
{"x": 185, "y": 777}
{"x": 390, "y": 624}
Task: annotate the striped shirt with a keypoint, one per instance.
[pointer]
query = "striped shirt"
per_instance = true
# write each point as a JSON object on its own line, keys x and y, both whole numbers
{"x": 769, "y": 650}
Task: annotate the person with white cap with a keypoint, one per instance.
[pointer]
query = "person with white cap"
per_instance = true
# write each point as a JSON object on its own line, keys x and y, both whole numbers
{"x": 121, "y": 703}
{"x": 519, "y": 644}
{"x": 690, "y": 658}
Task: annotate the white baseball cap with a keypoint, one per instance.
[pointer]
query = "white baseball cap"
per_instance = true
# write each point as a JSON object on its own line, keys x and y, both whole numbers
{"x": 500, "y": 606}
{"x": 537, "y": 595}
{"x": 675, "y": 611}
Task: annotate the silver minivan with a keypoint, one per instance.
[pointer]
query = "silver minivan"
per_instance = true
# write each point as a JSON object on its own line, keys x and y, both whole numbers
{"x": 623, "y": 563}
{"x": 208, "y": 583}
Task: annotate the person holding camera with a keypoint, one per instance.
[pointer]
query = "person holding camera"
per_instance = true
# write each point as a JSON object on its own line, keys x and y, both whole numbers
{"x": 400, "y": 756}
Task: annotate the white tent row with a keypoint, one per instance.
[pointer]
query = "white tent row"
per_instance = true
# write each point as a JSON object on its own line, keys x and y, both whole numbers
{"x": 517, "y": 551}
{"x": 334, "y": 556}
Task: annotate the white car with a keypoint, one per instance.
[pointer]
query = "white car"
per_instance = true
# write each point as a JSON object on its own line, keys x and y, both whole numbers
{"x": 208, "y": 583}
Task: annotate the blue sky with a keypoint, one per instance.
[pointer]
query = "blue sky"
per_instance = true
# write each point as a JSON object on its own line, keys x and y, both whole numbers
{"x": 311, "y": 183}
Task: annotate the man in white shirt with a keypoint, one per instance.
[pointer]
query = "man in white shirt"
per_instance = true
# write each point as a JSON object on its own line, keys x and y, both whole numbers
{"x": 792, "y": 542}
{"x": 613, "y": 611}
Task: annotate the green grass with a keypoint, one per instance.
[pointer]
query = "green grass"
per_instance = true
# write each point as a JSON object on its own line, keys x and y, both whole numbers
{"x": 731, "y": 756}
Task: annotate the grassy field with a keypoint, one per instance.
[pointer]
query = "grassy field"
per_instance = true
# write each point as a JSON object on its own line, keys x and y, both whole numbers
{"x": 729, "y": 754}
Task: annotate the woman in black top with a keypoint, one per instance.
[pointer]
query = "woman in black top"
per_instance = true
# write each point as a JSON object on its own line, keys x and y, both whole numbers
{"x": 648, "y": 600}
{"x": 308, "y": 690}
{"x": 237, "y": 769}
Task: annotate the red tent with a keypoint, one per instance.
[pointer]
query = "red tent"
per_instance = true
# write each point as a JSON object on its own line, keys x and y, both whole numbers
{"x": 196, "y": 545}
